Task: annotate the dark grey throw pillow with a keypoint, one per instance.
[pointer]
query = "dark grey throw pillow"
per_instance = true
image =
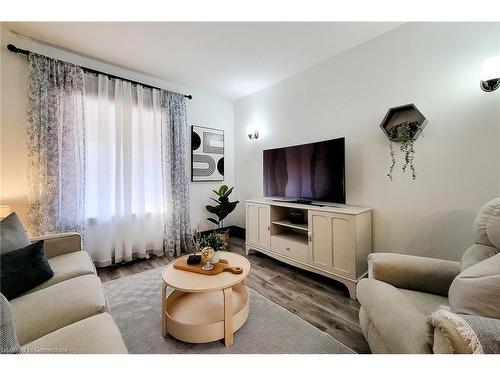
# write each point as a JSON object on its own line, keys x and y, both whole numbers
{"x": 24, "y": 269}
{"x": 8, "y": 339}
{"x": 12, "y": 234}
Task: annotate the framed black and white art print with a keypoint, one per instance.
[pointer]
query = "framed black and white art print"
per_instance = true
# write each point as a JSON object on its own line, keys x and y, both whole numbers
{"x": 207, "y": 154}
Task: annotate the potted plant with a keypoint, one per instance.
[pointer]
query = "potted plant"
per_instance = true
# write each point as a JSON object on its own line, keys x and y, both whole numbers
{"x": 404, "y": 133}
{"x": 214, "y": 241}
{"x": 223, "y": 208}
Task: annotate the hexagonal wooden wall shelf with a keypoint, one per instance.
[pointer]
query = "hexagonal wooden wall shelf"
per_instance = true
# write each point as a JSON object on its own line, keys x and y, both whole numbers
{"x": 397, "y": 115}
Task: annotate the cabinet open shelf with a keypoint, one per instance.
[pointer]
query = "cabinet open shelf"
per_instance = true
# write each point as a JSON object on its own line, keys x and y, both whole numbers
{"x": 287, "y": 223}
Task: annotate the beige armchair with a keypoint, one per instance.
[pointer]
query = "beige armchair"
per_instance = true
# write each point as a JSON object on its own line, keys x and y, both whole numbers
{"x": 402, "y": 291}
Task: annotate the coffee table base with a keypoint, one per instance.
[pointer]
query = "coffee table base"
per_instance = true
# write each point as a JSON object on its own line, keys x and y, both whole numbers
{"x": 205, "y": 316}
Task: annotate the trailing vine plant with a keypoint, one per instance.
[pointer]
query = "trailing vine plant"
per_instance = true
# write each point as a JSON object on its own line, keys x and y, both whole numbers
{"x": 404, "y": 132}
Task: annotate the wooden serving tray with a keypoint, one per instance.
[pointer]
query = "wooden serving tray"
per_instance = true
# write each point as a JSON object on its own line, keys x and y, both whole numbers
{"x": 220, "y": 267}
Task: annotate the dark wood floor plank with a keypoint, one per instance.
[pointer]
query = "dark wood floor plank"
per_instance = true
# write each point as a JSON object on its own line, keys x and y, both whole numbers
{"x": 341, "y": 330}
{"x": 319, "y": 300}
{"x": 331, "y": 303}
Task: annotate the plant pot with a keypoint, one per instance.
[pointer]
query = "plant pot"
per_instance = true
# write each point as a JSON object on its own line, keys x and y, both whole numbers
{"x": 225, "y": 238}
{"x": 215, "y": 258}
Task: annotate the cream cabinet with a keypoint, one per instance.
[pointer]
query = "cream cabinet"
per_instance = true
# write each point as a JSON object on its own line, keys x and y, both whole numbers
{"x": 258, "y": 225}
{"x": 333, "y": 241}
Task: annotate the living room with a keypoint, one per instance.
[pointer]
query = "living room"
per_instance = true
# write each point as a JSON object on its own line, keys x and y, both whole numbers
{"x": 240, "y": 187}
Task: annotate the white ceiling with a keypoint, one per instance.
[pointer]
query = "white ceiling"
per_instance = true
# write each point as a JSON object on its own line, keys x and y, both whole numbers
{"x": 229, "y": 59}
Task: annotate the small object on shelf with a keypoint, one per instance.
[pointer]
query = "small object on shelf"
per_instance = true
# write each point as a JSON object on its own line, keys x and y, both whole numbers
{"x": 296, "y": 216}
{"x": 207, "y": 253}
{"x": 194, "y": 259}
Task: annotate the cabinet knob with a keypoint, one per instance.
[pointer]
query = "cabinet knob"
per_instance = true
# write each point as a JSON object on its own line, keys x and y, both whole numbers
{"x": 310, "y": 237}
{"x": 268, "y": 228}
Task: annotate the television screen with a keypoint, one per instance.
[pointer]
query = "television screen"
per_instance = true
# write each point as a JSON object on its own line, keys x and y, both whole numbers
{"x": 314, "y": 171}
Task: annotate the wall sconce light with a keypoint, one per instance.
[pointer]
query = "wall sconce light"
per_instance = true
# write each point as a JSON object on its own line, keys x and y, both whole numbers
{"x": 490, "y": 74}
{"x": 253, "y": 135}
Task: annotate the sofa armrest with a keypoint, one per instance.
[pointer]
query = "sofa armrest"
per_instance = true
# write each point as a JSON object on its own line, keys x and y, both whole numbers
{"x": 412, "y": 272}
{"x": 399, "y": 324}
{"x": 60, "y": 243}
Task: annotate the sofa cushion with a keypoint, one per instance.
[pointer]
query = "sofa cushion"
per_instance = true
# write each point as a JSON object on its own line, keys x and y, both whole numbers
{"x": 486, "y": 228}
{"x": 476, "y": 290}
{"x": 95, "y": 335}
{"x": 477, "y": 253}
{"x": 426, "y": 303}
{"x": 8, "y": 339}
{"x": 12, "y": 234}
{"x": 23, "y": 270}
{"x": 44, "y": 311}
{"x": 394, "y": 317}
{"x": 68, "y": 266}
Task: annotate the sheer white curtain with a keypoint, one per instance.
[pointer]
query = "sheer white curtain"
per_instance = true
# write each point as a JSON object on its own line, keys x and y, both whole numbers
{"x": 124, "y": 198}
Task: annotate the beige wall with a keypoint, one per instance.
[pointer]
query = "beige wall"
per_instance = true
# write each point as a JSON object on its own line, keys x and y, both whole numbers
{"x": 13, "y": 152}
{"x": 205, "y": 110}
{"x": 434, "y": 65}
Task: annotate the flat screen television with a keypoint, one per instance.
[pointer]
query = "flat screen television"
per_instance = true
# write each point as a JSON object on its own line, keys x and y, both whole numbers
{"x": 309, "y": 172}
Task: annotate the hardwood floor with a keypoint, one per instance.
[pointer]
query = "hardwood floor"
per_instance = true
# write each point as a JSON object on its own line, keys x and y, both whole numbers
{"x": 320, "y": 301}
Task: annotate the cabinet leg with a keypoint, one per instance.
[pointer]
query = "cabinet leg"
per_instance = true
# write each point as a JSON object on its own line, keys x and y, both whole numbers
{"x": 247, "y": 250}
{"x": 164, "y": 309}
{"x": 228, "y": 316}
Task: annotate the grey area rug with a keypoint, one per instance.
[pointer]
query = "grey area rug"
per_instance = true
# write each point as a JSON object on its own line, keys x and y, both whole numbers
{"x": 270, "y": 329}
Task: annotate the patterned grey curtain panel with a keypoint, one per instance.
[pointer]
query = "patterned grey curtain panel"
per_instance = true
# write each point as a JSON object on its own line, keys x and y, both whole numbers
{"x": 56, "y": 146}
{"x": 175, "y": 175}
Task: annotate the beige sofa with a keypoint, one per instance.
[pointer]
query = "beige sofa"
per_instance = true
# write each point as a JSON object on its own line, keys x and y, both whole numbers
{"x": 69, "y": 312}
{"x": 402, "y": 291}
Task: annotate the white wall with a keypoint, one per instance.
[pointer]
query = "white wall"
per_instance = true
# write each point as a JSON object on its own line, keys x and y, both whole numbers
{"x": 204, "y": 109}
{"x": 436, "y": 66}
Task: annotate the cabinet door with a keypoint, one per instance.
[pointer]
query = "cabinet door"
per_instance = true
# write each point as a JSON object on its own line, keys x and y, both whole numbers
{"x": 252, "y": 223}
{"x": 331, "y": 242}
{"x": 257, "y": 225}
{"x": 264, "y": 226}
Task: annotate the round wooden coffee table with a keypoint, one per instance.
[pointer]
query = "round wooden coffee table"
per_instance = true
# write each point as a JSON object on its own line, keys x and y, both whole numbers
{"x": 205, "y": 308}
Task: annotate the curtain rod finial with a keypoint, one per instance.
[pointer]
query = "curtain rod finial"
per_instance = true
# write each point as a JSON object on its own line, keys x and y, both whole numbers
{"x": 189, "y": 96}
{"x": 13, "y": 48}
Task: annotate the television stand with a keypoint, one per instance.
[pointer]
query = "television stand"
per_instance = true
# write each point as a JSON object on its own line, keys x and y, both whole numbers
{"x": 333, "y": 241}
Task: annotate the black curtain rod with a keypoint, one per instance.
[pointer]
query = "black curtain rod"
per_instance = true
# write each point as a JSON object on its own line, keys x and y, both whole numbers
{"x": 13, "y": 48}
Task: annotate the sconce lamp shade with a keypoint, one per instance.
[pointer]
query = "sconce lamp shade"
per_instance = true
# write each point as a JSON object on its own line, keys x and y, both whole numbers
{"x": 490, "y": 74}
{"x": 5, "y": 211}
